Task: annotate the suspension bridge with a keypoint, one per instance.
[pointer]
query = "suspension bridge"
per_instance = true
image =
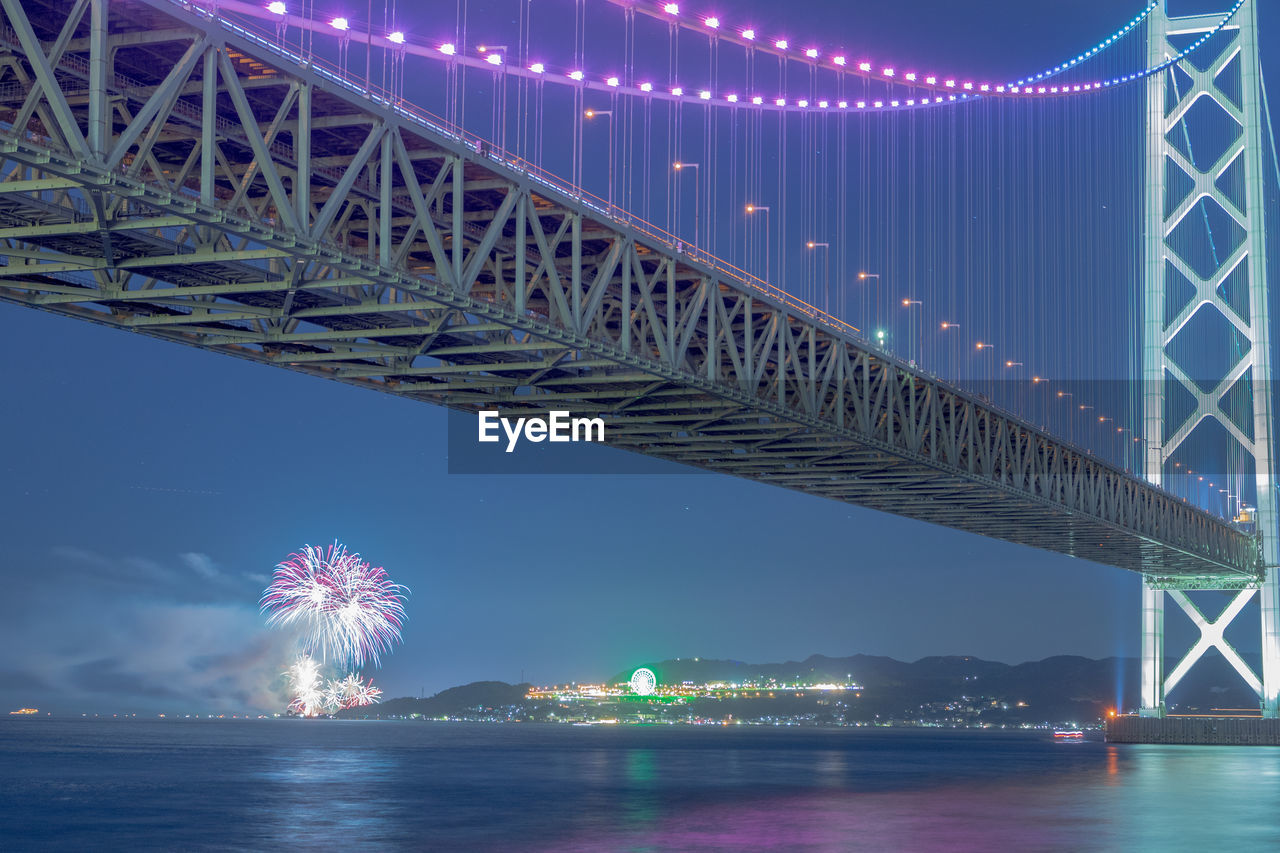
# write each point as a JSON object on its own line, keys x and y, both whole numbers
{"x": 219, "y": 175}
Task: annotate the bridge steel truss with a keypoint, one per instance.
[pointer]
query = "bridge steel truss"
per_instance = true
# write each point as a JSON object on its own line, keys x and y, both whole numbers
{"x": 1235, "y": 183}
{"x": 167, "y": 174}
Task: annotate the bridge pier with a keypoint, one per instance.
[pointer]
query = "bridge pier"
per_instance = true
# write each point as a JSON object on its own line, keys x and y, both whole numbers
{"x": 1152, "y": 651}
{"x": 1169, "y": 267}
{"x": 1210, "y": 731}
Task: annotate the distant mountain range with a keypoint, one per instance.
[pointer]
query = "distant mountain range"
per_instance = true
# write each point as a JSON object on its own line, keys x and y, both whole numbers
{"x": 1056, "y": 688}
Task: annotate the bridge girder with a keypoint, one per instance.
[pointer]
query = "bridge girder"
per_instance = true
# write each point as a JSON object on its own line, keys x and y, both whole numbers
{"x": 217, "y": 196}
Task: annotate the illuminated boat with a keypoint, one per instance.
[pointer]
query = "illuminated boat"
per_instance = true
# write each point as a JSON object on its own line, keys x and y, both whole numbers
{"x": 1068, "y": 734}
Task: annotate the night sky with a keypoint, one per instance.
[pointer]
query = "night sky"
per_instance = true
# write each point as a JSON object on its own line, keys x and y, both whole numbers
{"x": 147, "y": 490}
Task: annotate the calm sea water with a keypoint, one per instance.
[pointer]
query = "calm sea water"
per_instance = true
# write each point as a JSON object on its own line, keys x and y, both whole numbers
{"x": 322, "y": 785}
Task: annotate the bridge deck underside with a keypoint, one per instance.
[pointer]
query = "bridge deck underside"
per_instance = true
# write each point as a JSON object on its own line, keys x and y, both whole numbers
{"x": 368, "y": 248}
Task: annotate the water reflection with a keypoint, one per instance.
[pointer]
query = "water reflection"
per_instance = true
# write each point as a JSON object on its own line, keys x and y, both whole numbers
{"x": 545, "y": 788}
{"x": 640, "y": 808}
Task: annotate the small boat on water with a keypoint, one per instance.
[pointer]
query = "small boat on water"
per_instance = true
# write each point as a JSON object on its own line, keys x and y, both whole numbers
{"x": 1068, "y": 734}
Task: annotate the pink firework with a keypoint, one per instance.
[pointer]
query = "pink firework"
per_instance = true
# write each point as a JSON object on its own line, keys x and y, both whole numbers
{"x": 350, "y": 611}
{"x": 350, "y": 692}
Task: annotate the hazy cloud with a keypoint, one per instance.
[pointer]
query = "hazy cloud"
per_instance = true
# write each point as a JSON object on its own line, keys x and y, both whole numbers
{"x": 134, "y": 633}
{"x": 202, "y": 565}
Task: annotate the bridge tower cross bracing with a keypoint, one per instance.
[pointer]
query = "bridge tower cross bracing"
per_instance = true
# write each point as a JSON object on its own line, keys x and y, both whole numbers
{"x": 1171, "y": 98}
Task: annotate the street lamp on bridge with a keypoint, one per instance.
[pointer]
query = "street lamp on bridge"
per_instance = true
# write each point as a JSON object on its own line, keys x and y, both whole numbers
{"x": 680, "y": 166}
{"x": 913, "y": 338}
{"x": 608, "y": 114}
{"x": 763, "y": 208}
{"x": 826, "y": 276}
{"x": 863, "y": 276}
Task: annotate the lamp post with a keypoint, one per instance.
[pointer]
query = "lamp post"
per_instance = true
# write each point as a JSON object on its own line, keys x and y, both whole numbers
{"x": 763, "y": 208}
{"x": 609, "y": 114}
{"x": 826, "y": 275}
{"x": 864, "y": 276}
{"x": 680, "y": 166}
{"x": 913, "y": 342}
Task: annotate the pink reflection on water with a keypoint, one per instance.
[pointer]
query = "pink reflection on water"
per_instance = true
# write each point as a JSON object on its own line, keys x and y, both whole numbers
{"x": 951, "y": 818}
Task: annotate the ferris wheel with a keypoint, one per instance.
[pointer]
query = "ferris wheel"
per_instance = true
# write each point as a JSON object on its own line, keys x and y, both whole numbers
{"x": 643, "y": 681}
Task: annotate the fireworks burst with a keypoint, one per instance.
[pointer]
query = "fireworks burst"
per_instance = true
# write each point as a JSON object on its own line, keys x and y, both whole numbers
{"x": 304, "y": 685}
{"x": 310, "y": 698}
{"x": 351, "y": 612}
{"x": 351, "y": 692}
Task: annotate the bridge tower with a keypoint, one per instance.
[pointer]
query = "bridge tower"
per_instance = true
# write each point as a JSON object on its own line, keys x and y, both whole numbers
{"x": 1205, "y": 264}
